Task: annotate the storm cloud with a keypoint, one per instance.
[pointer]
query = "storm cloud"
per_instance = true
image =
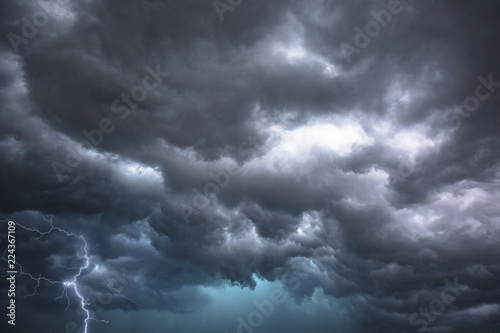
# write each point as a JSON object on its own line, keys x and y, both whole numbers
{"x": 213, "y": 152}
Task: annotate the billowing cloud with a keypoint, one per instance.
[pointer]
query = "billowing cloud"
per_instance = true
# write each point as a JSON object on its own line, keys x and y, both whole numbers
{"x": 208, "y": 152}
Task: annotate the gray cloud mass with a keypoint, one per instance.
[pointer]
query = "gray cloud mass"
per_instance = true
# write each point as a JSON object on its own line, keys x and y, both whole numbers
{"x": 225, "y": 156}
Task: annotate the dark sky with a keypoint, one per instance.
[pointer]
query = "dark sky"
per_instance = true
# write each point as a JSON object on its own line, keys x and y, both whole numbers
{"x": 252, "y": 166}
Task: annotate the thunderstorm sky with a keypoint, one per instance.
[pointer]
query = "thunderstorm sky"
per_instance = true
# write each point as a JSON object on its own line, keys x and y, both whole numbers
{"x": 252, "y": 166}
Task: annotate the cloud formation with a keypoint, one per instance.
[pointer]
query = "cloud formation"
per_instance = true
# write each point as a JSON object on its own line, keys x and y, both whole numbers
{"x": 198, "y": 152}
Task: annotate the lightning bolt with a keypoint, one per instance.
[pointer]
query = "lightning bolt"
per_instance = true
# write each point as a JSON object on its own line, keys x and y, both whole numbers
{"x": 73, "y": 283}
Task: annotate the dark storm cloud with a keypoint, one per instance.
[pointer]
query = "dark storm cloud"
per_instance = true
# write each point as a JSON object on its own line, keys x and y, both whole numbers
{"x": 363, "y": 174}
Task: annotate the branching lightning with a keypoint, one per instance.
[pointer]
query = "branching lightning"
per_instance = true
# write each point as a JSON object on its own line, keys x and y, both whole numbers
{"x": 73, "y": 283}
